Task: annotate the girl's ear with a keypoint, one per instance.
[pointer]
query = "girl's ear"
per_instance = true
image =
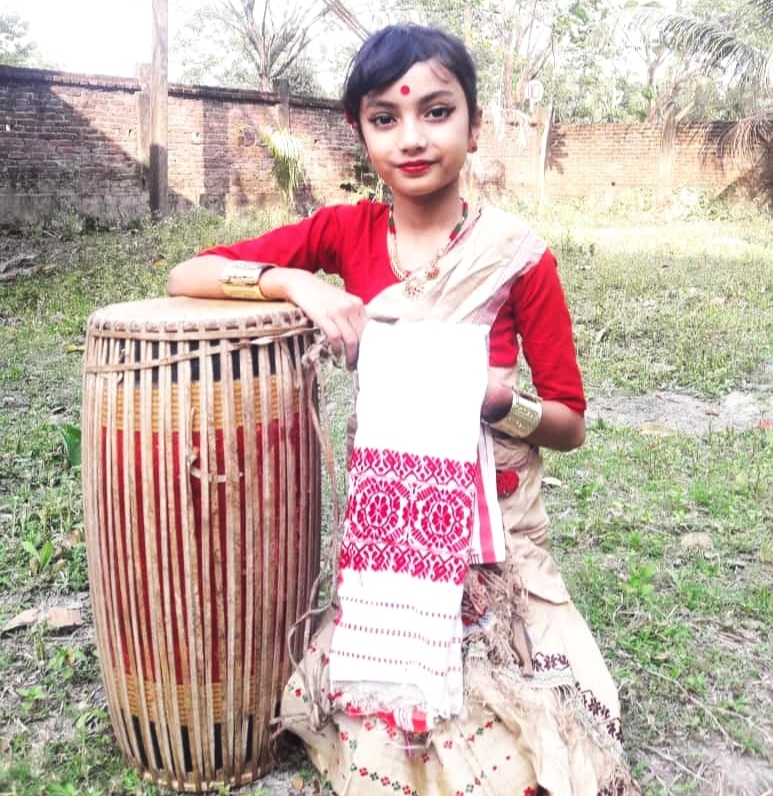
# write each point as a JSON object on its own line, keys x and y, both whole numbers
{"x": 476, "y": 122}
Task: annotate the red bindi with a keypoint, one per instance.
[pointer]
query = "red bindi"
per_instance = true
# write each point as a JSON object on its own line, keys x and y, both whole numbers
{"x": 404, "y": 90}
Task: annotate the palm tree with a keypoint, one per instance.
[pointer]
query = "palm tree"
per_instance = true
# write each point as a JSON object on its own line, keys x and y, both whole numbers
{"x": 739, "y": 46}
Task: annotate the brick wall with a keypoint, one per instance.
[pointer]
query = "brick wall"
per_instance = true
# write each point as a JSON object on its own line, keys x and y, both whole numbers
{"x": 80, "y": 142}
{"x": 606, "y": 160}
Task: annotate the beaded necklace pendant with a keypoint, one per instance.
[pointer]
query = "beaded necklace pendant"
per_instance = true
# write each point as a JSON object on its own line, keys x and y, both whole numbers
{"x": 415, "y": 280}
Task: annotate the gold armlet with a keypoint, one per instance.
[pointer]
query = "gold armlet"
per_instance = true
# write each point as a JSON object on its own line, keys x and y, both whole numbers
{"x": 241, "y": 280}
{"x": 524, "y": 415}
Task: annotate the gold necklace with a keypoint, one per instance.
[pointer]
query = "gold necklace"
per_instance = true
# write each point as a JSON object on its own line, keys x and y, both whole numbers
{"x": 415, "y": 280}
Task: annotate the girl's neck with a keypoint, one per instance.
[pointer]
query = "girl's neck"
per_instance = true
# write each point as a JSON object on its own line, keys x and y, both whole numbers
{"x": 417, "y": 216}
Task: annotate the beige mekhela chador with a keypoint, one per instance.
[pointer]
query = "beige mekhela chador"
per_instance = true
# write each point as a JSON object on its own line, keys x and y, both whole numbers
{"x": 538, "y": 710}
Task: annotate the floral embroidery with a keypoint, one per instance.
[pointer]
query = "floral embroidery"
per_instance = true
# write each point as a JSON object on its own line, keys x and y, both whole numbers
{"x": 408, "y": 513}
{"x": 601, "y": 712}
{"x": 404, "y": 465}
{"x": 543, "y": 663}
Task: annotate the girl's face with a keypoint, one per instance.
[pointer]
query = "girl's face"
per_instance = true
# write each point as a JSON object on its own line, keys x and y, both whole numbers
{"x": 418, "y": 131}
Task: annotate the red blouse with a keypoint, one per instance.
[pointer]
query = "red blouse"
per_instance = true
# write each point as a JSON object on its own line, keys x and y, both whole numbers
{"x": 350, "y": 241}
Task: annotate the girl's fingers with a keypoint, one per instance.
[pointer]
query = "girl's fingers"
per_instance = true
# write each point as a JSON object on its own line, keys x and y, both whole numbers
{"x": 344, "y": 336}
{"x": 340, "y": 316}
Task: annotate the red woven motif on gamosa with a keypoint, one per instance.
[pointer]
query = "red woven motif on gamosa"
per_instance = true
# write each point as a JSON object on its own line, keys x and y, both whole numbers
{"x": 409, "y": 513}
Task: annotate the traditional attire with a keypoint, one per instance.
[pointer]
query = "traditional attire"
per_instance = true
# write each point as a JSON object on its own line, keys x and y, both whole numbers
{"x": 453, "y": 661}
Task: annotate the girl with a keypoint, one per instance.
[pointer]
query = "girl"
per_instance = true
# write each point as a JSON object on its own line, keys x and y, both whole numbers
{"x": 540, "y": 710}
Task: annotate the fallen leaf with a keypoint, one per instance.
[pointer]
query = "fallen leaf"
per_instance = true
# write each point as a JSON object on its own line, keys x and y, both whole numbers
{"x": 54, "y": 618}
{"x": 24, "y": 619}
{"x": 550, "y": 481}
{"x": 712, "y": 412}
{"x": 296, "y": 783}
{"x": 72, "y": 348}
{"x": 650, "y": 429}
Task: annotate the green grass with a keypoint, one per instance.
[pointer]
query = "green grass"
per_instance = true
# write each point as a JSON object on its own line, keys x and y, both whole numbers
{"x": 655, "y": 317}
{"x": 682, "y": 623}
{"x": 684, "y": 627}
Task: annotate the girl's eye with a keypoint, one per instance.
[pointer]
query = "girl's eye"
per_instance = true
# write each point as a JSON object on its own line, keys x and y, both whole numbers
{"x": 441, "y": 112}
{"x": 382, "y": 120}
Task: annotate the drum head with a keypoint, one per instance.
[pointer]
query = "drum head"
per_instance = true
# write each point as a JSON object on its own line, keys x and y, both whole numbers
{"x": 181, "y": 314}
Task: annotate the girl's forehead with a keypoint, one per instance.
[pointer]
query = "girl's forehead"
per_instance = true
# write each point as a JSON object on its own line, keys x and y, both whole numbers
{"x": 423, "y": 77}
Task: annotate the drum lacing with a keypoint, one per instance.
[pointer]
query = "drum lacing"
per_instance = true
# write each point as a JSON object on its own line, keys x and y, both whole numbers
{"x": 311, "y": 363}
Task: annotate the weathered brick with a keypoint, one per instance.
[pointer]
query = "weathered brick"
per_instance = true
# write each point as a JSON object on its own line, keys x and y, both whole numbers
{"x": 75, "y": 141}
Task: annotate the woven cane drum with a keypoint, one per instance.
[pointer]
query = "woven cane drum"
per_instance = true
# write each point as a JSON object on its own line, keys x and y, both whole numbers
{"x": 202, "y": 508}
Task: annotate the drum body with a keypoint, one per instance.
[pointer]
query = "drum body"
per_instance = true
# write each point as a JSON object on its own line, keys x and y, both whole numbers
{"x": 202, "y": 510}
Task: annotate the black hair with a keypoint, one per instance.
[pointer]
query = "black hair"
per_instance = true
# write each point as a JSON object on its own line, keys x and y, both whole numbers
{"x": 392, "y": 51}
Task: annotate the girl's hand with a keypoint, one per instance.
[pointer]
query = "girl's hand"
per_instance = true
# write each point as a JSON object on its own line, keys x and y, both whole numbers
{"x": 339, "y": 315}
{"x": 498, "y": 398}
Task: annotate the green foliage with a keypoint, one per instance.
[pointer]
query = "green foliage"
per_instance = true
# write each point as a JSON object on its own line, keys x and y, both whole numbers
{"x": 15, "y": 47}
{"x": 71, "y": 439}
{"x": 729, "y": 42}
{"x": 286, "y": 152}
{"x": 714, "y": 62}
{"x": 366, "y": 183}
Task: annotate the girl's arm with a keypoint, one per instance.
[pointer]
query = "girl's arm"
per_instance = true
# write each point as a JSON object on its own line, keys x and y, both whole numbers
{"x": 560, "y": 427}
{"x": 304, "y": 248}
{"x": 537, "y": 315}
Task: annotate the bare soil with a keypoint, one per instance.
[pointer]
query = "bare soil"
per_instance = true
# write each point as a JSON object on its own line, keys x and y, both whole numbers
{"x": 684, "y": 413}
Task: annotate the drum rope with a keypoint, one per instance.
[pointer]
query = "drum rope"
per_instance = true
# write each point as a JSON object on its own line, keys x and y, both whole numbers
{"x": 177, "y": 335}
{"x": 185, "y": 356}
{"x": 311, "y": 364}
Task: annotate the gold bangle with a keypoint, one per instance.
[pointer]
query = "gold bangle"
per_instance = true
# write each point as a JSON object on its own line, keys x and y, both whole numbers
{"x": 241, "y": 280}
{"x": 524, "y": 415}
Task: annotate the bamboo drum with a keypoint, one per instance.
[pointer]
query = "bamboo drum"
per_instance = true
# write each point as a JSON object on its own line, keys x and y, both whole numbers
{"x": 202, "y": 508}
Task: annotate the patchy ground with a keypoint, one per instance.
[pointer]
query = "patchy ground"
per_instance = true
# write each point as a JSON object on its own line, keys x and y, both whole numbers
{"x": 712, "y": 770}
{"x": 665, "y": 537}
{"x": 684, "y": 413}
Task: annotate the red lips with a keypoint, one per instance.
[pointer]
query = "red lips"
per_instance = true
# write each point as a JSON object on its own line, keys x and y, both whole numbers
{"x": 415, "y": 166}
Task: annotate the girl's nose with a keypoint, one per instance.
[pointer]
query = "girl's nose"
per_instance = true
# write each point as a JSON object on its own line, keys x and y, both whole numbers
{"x": 412, "y": 135}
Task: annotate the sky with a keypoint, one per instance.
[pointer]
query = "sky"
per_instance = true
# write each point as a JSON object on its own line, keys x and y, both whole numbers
{"x": 106, "y": 37}
{"x": 109, "y": 37}
{"x": 91, "y": 36}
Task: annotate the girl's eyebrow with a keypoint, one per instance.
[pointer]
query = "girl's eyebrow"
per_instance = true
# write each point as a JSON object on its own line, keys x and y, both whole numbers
{"x": 376, "y": 102}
